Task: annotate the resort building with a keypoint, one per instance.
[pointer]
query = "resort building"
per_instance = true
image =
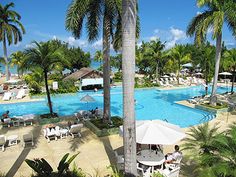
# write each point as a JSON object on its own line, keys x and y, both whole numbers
{"x": 87, "y": 78}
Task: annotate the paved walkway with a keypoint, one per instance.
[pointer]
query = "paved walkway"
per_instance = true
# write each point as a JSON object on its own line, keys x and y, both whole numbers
{"x": 96, "y": 154}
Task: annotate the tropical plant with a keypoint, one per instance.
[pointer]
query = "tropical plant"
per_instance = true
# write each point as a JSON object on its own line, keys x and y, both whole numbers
{"x": 43, "y": 168}
{"x": 201, "y": 139}
{"x": 116, "y": 62}
{"x": 180, "y": 56}
{"x": 45, "y": 56}
{"x": 225, "y": 161}
{"x": 229, "y": 63}
{"x": 16, "y": 60}
{"x": 34, "y": 80}
{"x": 98, "y": 57}
{"x": 10, "y": 30}
{"x": 128, "y": 70}
{"x": 98, "y": 13}
{"x": 214, "y": 15}
{"x": 206, "y": 62}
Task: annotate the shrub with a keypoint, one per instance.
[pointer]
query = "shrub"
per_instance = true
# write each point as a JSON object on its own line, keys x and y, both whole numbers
{"x": 116, "y": 122}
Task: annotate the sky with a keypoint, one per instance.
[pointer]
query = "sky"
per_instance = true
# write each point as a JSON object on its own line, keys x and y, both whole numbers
{"x": 167, "y": 20}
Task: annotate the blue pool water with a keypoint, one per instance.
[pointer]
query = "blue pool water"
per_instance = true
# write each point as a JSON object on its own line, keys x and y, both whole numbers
{"x": 151, "y": 104}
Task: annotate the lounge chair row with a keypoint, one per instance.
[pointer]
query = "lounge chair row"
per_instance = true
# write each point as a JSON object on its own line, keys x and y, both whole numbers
{"x": 87, "y": 115}
{"x": 13, "y": 140}
{"x": 55, "y": 132}
{"x": 11, "y": 95}
{"x": 19, "y": 120}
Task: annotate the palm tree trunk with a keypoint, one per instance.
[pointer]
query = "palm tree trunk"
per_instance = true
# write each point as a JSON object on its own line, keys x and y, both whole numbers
{"x": 48, "y": 93}
{"x": 106, "y": 72}
{"x": 128, "y": 68}
{"x": 217, "y": 64}
{"x": 5, "y": 58}
{"x": 232, "y": 87}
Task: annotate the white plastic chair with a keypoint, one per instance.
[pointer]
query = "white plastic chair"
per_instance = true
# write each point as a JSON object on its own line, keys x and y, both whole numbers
{"x": 170, "y": 173}
{"x": 2, "y": 142}
{"x": 143, "y": 173}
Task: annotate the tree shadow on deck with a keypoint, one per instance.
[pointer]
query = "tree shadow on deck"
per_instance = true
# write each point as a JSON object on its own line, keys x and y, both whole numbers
{"x": 109, "y": 150}
{"x": 36, "y": 133}
{"x": 77, "y": 141}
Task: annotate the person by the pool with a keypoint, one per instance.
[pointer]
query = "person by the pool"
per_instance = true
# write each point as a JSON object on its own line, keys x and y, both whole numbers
{"x": 171, "y": 157}
{"x": 5, "y": 115}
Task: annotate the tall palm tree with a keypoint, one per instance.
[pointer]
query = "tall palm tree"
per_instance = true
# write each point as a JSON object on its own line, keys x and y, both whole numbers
{"x": 180, "y": 57}
{"x": 229, "y": 63}
{"x": 45, "y": 56}
{"x": 16, "y": 60}
{"x": 10, "y": 30}
{"x": 215, "y": 14}
{"x": 98, "y": 57}
{"x": 207, "y": 63}
{"x": 97, "y": 13}
{"x": 128, "y": 68}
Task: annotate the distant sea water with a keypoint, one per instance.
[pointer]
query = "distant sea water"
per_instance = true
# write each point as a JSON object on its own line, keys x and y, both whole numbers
{"x": 13, "y": 70}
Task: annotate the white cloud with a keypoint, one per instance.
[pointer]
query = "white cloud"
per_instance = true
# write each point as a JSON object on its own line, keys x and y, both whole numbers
{"x": 76, "y": 42}
{"x": 198, "y": 12}
{"x": 29, "y": 45}
{"x": 54, "y": 37}
{"x": 170, "y": 44}
{"x": 97, "y": 44}
{"x": 177, "y": 34}
{"x": 153, "y": 38}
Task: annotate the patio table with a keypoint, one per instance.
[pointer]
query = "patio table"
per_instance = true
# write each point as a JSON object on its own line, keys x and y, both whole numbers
{"x": 151, "y": 158}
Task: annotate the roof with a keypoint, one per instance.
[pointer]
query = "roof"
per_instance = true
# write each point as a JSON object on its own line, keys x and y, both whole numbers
{"x": 83, "y": 72}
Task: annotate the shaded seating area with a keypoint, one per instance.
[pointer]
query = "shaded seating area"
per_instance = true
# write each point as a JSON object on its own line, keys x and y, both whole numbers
{"x": 27, "y": 139}
{"x": 150, "y": 136}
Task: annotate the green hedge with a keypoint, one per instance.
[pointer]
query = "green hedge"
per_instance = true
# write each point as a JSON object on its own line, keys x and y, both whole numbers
{"x": 102, "y": 129}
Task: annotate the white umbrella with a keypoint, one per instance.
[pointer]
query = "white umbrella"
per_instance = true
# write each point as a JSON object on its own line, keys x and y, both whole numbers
{"x": 157, "y": 132}
{"x": 225, "y": 74}
{"x": 165, "y": 76}
{"x": 198, "y": 74}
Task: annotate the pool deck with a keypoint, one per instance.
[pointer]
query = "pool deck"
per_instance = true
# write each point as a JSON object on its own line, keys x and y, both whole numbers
{"x": 96, "y": 154}
{"x": 23, "y": 100}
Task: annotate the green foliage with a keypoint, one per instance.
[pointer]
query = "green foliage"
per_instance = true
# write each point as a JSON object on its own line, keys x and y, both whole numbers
{"x": 151, "y": 58}
{"x": 144, "y": 83}
{"x": 117, "y": 77}
{"x": 217, "y": 106}
{"x": 116, "y": 62}
{"x": 157, "y": 174}
{"x": 43, "y": 168}
{"x": 65, "y": 86}
{"x": 116, "y": 122}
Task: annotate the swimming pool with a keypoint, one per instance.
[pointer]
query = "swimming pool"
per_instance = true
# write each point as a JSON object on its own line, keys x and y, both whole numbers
{"x": 151, "y": 104}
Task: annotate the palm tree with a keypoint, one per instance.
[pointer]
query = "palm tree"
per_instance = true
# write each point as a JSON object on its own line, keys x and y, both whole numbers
{"x": 207, "y": 63}
{"x": 16, "y": 60}
{"x": 10, "y": 30}
{"x": 180, "y": 57}
{"x": 45, "y": 56}
{"x": 128, "y": 69}
{"x": 98, "y": 57}
{"x": 215, "y": 14}
{"x": 97, "y": 13}
{"x": 229, "y": 62}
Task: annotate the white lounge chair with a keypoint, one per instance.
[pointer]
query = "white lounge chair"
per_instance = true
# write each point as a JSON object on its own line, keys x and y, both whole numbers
{"x": 49, "y": 134}
{"x": 170, "y": 172}
{"x": 2, "y": 142}
{"x": 162, "y": 84}
{"x": 20, "y": 94}
{"x": 28, "y": 139}
{"x": 75, "y": 130}
{"x": 7, "y": 96}
{"x": 168, "y": 84}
